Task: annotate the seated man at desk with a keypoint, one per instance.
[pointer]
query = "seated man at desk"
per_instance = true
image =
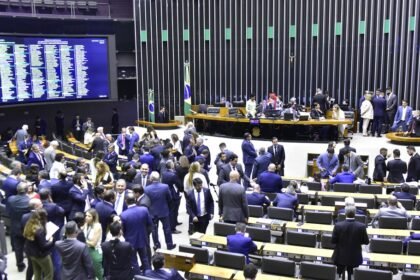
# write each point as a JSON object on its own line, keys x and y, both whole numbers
{"x": 405, "y": 193}
{"x": 287, "y": 199}
{"x": 343, "y": 177}
{"x": 159, "y": 272}
{"x": 394, "y": 209}
{"x": 240, "y": 243}
{"x": 256, "y": 197}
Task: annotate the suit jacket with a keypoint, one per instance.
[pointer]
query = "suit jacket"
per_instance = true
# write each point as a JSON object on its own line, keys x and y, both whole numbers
{"x": 117, "y": 259}
{"x": 270, "y": 182}
{"x": 248, "y": 152}
{"x": 321, "y": 99}
{"x": 200, "y": 149}
{"x": 138, "y": 179}
{"x": 161, "y": 199}
{"x": 404, "y": 195}
{"x": 238, "y": 243}
{"x": 111, "y": 159}
{"x": 261, "y": 164}
{"x": 391, "y": 102}
{"x": 379, "y": 173}
{"x": 136, "y": 224}
{"x": 60, "y": 194}
{"x": 330, "y": 165}
{"x": 105, "y": 212}
{"x": 78, "y": 199}
{"x": 134, "y": 138}
{"x": 225, "y": 171}
{"x": 76, "y": 261}
{"x": 232, "y": 202}
{"x": 163, "y": 117}
{"x": 16, "y": 207}
{"x": 413, "y": 171}
{"x": 49, "y": 156}
{"x": 33, "y": 159}
{"x": 170, "y": 178}
{"x": 156, "y": 153}
{"x": 121, "y": 143}
{"x": 164, "y": 274}
{"x": 149, "y": 159}
{"x": 396, "y": 168}
{"x": 55, "y": 212}
{"x": 144, "y": 200}
{"x": 280, "y": 155}
{"x": 10, "y": 186}
{"x": 44, "y": 184}
{"x": 343, "y": 177}
{"x": 408, "y": 115}
{"x": 379, "y": 106}
{"x": 286, "y": 200}
{"x": 341, "y": 153}
{"x": 258, "y": 199}
{"x": 348, "y": 236}
{"x": 97, "y": 145}
{"x": 356, "y": 164}
{"x": 191, "y": 203}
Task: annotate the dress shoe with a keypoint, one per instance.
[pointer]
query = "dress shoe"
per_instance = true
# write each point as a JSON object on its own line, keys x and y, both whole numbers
{"x": 22, "y": 268}
{"x": 176, "y": 232}
{"x": 172, "y": 247}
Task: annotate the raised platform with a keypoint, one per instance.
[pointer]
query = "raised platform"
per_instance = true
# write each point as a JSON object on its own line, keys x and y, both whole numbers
{"x": 399, "y": 138}
{"x": 170, "y": 125}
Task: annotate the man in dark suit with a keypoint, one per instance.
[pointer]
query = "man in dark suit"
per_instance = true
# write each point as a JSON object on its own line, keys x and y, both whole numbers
{"x": 106, "y": 211}
{"x": 115, "y": 122}
{"x": 379, "y": 108}
{"x": 257, "y": 198}
{"x": 79, "y": 194}
{"x": 111, "y": 158}
{"x": 16, "y": 206}
{"x": 97, "y": 144}
{"x": 142, "y": 178}
{"x": 225, "y": 170}
{"x": 343, "y": 177}
{"x": 141, "y": 198}
{"x": 121, "y": 193}
{"x": 161, "y": 199}
{"x": 270, "y": 181}
{"x": 413, "y": 171}
{"x": 163, "y": 116}
{"x": 170, "y": 178}
{"x": 11, "y": 182}
{"x": 405, "y": 193}
{"x": 239, "y": 243}
{"x": 134, "y": 139}
{"x": 147, "y": 158}
{"x": 137, "y": 224}
{"x": 396, "y": 168}
{"x": 55, "y": 212}
{"x": 123, "y": 142}
{"x": 321, "y": 99}
{"x": 77, "y": 263}
{"x": 117, "y": 255}
{"x": 159, "y": 272}
{"x": 261, "y": 162}
{"x": 278, "y": 155}
{"x": 345, "y": 149}
{"x": 233, "y": 206}
{"x": 248, "y": 153}
{"x": 200, "y": 147}
{"x": 391, "y": 107}
{"x": 60, "y": 193}
{"x": 348, "y": 236}
{"x": 403, "y": 117}
{"x": 379, "y": 173}
{"x": 76, "y": 125}
{"x": 200, "y": 206}
{"x": 35, "y": 157}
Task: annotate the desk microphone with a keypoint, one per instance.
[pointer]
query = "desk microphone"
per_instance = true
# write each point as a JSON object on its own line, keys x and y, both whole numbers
{"x": 194, "y": 112}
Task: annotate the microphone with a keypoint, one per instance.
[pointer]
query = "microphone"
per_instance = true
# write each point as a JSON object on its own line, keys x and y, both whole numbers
{"x": 193, "y": 112}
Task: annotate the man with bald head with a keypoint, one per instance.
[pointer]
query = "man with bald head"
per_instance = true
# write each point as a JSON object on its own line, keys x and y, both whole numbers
{"x": 394, "y": 209}
{"x": 233, "y": 205}
{"x": 270, "y": 181}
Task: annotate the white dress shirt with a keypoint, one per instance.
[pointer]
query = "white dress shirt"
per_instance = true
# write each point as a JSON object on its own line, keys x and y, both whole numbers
{"x": 202, "y": 206}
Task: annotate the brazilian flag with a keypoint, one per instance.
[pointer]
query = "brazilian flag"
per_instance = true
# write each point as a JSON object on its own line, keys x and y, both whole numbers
{"x": 151, "y": 106}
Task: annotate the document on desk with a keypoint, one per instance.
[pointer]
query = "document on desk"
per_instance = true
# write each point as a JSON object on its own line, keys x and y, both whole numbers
{"x": 51, "y": 228}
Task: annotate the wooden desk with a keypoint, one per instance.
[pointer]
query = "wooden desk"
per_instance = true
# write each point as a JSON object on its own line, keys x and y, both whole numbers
{"x": 4, "y": 170}
{"x": 274, "y": 250}
{"x": 394, "y": 259}
{"x": 213, "y": 271}
{"x": 216, "y": 241}
{"x": 67, "y": 156}
{"x": 170, "y": 125}
{"x": 178, "y": 260}
{"x": 77, "y": 143}
{"x": 400, "y": 138}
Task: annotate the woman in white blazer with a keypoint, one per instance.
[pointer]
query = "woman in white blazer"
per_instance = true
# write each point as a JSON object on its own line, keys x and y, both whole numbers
{"x": 366, "y": 113}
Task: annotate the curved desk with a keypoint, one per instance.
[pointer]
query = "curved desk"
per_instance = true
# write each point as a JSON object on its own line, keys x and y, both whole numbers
{"x": 399, "y": 138}
{"x": 170, "y": 125}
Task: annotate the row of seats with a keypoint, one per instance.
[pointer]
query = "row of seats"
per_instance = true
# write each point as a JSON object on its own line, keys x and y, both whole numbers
{"x": 51, "y": 3}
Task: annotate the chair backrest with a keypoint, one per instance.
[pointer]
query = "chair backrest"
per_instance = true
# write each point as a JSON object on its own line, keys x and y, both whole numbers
{"x": 201, "y": 254}
{"x": 314, "y": 186}
{"x": 303, "y": 198}
{"x": 360, "y": 218}
{"x": 413, "y": 189}
{"x": 285, "y": 182}
{"x": 271, "y": 196}
{"x": 386, "y": 246}
{"x": 307, "y": 239}
{"x": 372, "y": 274}
{"x": 370, "y": 202}
{"x": 344, "y": 187}
{"x": 278, "y": 266}
{"x": 330, "y": 200}
{"x": 255, "y": 211}
{"x": 280, "y": 213}
{"x": 229, "y": 260}
{"x": 408, "y": 204}
{"x": 259, "y": 234}
{"x": 415, "y": 223}
{"x": 223, "y": 229}
{"x": 410, "y": 276}
{"x": 372, "y": 189}
{"x": 413, "y": 247}
{"x": 318, "y": 271}
{"x": 393, "y": 222}
{"x": 326, "y": 241}
{"x": 318, "y": 217}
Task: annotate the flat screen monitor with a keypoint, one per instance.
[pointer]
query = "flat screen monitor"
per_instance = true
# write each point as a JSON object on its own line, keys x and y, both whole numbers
{"x": 39, "y": 69}
{"x": 271, "y": 113}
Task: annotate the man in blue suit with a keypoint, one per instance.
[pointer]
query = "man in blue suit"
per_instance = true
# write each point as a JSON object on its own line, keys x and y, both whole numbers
{"x": 287, "y": 199}
{"x": 239, "y": 243}
{"x": 200, "y": 148}
{"x": 261, "y": 162}
{"x": 147, "y": 158}
{"x": 379, "y": 112}
{"x": 137, "y": 224}
{"x": 170, "y": 178}
{"x": 161, "y": 199}
{"x": 60, "y": 193}
{"x": 79, "y": 194}
{"x": 10, "y": 183}
{"x": 106, "y": 211}
{"x": 248, "y": 153}
{"x": 403, "y": 117}
{"x": 123, "y": 142}
{"x": 405, "y": 193}
{"x": 159, "y": 272}
{"x": 327, "y": 163}
{"x": 200, "y": 206}
{"x": 35, "y": 157}
{"x": 44, "y": 183}
{"x": 156, "y": 152}
{"x": 270, "y": 181}
{"x": 134, "y": 139}
{"x": 111, "y": 158}
{"x": 379, "y": 173}
{"x": 343, "y": 177}
{"x": 257, "y": 198}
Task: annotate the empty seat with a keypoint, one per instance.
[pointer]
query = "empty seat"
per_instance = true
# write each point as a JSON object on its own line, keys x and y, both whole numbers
{"x": 326, "y": 241}
{"x": 229, "y": 260}
{"x": 415, "y": 223}
{"x": 318, "y": 271}
{"x": 370, "y": 202}
{"x": 410, "y": 276}
{"x": 201, "y": 255}
{"x": 314, "y": 186}
{"x": 223, "y": 229}
{"x": 256, "y": 211}
{"x": 330, "y": 200}
{"x": 386, "y": 246}
{"x": 413, "y": 247}
{"x": 372, "y": 274}
{"x": 303, "y": 198}
{"x": 372, "y": 189}
{"x": 318, "y": 217}
{"x": 343, "y": 187}
{"x": 408, "y": 204}
{"x": 360, "y": 218}
{"x": 393, "y": 222}
{"x": 259, "y": 234}
{"x": 307, "y": 239}
{"x": 278, "y": 266}
{"x": 280, "y": 213}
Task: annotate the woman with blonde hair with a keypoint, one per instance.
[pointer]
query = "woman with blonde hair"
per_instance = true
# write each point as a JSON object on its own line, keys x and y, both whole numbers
{"x": 93, "y": 233}
{"x": 194, "y": 172}
{"x": 104, "y": 175}
{"x": 37, "y": 247}
{"x": 338, "y": 114}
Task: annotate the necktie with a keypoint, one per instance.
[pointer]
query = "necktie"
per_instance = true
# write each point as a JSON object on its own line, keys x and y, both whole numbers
{"x": 233, "y": 168}
{"x": 143, "y": 181}
{"x": 198, "y": 204}
{"x": 274, "y": 150}
{"x": 118, "y": 202}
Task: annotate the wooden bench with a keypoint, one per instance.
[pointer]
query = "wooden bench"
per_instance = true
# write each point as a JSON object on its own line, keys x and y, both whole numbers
{"x": 172, "y": 124}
